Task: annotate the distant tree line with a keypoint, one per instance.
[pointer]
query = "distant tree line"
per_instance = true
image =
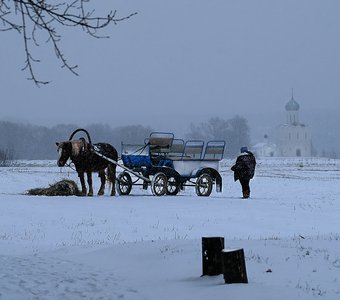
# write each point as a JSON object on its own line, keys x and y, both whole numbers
{"x": 331, "y": 153}
{"x": 26, "y": 141}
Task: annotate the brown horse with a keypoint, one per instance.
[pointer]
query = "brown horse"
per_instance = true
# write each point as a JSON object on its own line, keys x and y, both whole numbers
{"x": 86, "y": 161}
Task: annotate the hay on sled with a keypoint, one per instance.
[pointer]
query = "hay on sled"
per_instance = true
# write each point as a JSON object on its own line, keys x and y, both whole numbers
{"x": 61, "y": 188}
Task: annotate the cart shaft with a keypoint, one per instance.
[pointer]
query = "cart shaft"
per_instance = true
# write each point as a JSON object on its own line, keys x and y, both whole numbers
{"x": 97, "y": 152}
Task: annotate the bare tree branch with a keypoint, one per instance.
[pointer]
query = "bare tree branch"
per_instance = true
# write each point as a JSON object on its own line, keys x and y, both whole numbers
{"x": 33, "y": 19}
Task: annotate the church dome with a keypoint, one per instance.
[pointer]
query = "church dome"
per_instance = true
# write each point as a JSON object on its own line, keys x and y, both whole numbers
{"x": 292, "y": 105}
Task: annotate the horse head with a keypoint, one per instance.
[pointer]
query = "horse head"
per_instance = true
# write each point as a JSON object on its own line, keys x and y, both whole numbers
{"x": 71, "y": 149}
{"x": 65, "y": 151}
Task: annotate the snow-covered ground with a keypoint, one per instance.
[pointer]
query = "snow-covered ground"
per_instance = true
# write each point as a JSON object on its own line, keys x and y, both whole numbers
{"x": 146, "y": 247}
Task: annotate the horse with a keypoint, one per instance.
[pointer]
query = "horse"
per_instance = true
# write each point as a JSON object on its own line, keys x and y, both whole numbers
{"x": 86, "y": 161}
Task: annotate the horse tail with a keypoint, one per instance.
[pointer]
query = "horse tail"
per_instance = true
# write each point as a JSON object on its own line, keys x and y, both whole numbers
{"x": 111, "y": 177}
{"x": 111, "y": 172}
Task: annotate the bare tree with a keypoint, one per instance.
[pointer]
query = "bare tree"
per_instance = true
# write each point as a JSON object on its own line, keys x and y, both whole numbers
{"x": 234, "y": 131}
{"x": 34, "y": 19}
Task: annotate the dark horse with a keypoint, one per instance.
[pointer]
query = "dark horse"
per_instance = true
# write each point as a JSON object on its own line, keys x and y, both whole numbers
{"x": 86, "y": 161}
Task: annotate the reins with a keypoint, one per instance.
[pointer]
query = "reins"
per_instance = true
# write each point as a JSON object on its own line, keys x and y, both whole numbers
{"x": 69, "y": 165}
{"x": 140, "y": 150}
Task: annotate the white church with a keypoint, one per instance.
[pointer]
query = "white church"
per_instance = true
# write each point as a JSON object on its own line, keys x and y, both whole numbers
{"x": 291, "y": 139}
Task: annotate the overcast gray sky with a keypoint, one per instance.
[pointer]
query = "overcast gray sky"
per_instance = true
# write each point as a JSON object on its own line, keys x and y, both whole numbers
{"x": 183, "y": 61}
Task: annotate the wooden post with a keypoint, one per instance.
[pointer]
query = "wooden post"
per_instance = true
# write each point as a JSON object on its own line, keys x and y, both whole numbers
{"x": 234, "y": 266}
{"x": 211, "y": 255}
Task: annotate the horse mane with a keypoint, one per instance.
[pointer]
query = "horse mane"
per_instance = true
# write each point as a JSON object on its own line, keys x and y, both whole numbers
{"x": 79, "y": 147}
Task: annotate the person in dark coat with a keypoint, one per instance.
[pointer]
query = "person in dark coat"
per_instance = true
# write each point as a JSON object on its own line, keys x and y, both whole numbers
{"x": 244, "y": 170}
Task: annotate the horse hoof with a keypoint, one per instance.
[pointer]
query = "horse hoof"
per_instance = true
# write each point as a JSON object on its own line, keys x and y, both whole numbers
{"x": 90, "y": 194}
{"x": 100, "y": 193}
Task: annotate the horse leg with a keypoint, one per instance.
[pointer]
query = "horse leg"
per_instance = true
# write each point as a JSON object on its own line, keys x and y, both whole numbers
{"x": 89, "y": 181}
{"x": 111, "y": 172}
{"x": 101, "y": 175}
{"x": 82, "y": 182}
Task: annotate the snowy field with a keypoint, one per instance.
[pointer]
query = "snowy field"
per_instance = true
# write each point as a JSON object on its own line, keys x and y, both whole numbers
{"x": 146, "y": 247}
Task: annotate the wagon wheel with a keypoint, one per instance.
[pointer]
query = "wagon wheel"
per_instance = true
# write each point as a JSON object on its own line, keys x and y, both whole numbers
{"x": 124, "y": 184}
{"x": 172, "y": 187}
{"x": 204, "y": 185}
{"x": 159, "y": 184}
